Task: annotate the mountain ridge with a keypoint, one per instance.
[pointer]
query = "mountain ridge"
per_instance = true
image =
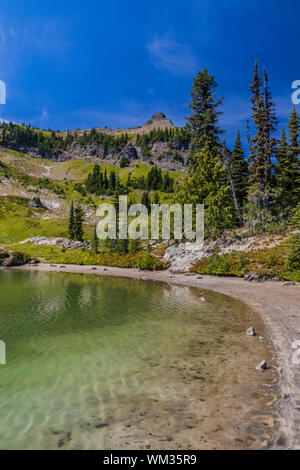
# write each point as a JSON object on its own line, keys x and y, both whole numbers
{"x": 157, "y": 121}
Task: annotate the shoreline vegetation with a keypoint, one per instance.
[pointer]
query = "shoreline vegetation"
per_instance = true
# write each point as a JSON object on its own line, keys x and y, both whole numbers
{"x": 276, "y": 303}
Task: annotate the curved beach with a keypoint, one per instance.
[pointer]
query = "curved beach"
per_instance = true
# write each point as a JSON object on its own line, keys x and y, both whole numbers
{"x": 276, "y": 302}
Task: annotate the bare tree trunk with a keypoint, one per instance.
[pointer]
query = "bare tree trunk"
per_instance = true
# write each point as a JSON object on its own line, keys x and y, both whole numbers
{"x": 225, "y": 155}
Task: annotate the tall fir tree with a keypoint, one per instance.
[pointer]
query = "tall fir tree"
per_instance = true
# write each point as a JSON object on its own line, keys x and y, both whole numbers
{"x": 239, "y": 171}
{"x": 72, "y": 222}
{"x": 285, "y": 176}
{"x": 294, "y": 131}
{"x": 204, "y": 120}
{"x": 258, "y": 169}
{"x": 270, "y": 125}
{"x": 261, "y": 195}
{"x": 78, "y": 221}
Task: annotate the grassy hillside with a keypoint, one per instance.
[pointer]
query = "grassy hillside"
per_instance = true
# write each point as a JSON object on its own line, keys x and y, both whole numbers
{"x": 23, "y": 178}
{"x": 18, "y": 221}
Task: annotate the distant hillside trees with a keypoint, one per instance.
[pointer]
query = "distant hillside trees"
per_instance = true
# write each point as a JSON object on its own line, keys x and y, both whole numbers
{"x": 100, "y": 183}
{"x": 50, "y": 144}
{"x": 175, "y": 137}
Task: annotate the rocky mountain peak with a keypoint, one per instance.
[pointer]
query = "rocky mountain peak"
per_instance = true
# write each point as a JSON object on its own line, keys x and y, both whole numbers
{"x": 158, "y": 120}
{"x": 158, "y": 116}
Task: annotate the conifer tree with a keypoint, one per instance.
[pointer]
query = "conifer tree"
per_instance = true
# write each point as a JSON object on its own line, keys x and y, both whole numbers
{"x": 239, "y": 171}
{"x": 146, "y": 200}
{"x": 204, "y": 184}
{"x": 72, "y": 222}
{"x": 257, "y": 157}
{"x": 156, "y": 198}
{"x": 294, "y": 131}
{"x": 95, "y": 241}
{"x": 204, "y": 120}
{"x": 260, "y": 207}
{"x": 78, "y": 221}
{"x": 270, "y": 124}
{"x": 287, "y": 168}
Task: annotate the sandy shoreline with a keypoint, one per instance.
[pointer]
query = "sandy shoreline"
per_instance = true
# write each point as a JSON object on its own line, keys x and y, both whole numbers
{"x": 278, "y": 305}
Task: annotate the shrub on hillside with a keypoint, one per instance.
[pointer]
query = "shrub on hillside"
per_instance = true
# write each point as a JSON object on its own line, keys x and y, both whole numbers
{"x": 293, "y": 256}
{"x": 148, "y": 263}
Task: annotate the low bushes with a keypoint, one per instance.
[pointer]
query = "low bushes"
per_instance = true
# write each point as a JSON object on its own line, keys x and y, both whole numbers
{"x": 293, "y": 255}
{"x": 55, "y": 254}
{"x": 281, "y": 261}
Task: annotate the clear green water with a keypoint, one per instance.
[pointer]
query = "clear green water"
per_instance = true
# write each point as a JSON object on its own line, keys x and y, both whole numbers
{"x": 83, "y": 352}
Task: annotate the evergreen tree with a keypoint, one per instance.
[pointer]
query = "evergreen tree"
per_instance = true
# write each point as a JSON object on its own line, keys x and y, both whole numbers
{"x": 287, "y": 176}
{"x": 288, "y": 168}
{"x": 293, "y": 256}
{"x": 294, "y": 130}
{"x": 295, "y": 221}
{"x": 78, "y": 221}
{"x": 270, "y": 124}
{"x": 204, "y": 119}
{"x": 259, "y": 168}
{"x": 128, "y": 182}
{"x": 95, "y": 241}
{"x": 168, "y": 184}
{"x": 239, "y": 171}
{"x": 156, "y": 198}
{"x": 146, "y": 200}
{"x": 260, "y": 207}
{"x": 204, "y": 184}
{"x": 72, "y": 222}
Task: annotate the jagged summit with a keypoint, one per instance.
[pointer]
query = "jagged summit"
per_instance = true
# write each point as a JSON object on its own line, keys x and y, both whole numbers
{"x": 158, "y": 121}
{"x": 158, "y": 116}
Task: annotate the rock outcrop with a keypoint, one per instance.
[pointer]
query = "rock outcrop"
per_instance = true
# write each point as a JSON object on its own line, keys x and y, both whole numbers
{"x": 184, "y": 255}
{"x": 47, "y": 241}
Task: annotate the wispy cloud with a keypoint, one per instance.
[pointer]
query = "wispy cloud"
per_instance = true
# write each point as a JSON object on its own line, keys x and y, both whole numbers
{"x": 49, "y": 38}
{"x": 44, "y": 115}
{"x": 168, "y": 54}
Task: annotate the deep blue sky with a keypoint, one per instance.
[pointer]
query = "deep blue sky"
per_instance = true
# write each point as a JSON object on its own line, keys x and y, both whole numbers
{"x": 79, "y": 64}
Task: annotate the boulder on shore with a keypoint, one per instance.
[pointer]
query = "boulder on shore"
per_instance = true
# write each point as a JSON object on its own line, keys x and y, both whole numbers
{"x": 251, "y": 331}
{"x": 262, "y": 365}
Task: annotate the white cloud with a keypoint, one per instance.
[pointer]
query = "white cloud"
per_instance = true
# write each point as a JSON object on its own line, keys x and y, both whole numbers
{"x": 45, "y": 115}
{"x": 172, "y": 56}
